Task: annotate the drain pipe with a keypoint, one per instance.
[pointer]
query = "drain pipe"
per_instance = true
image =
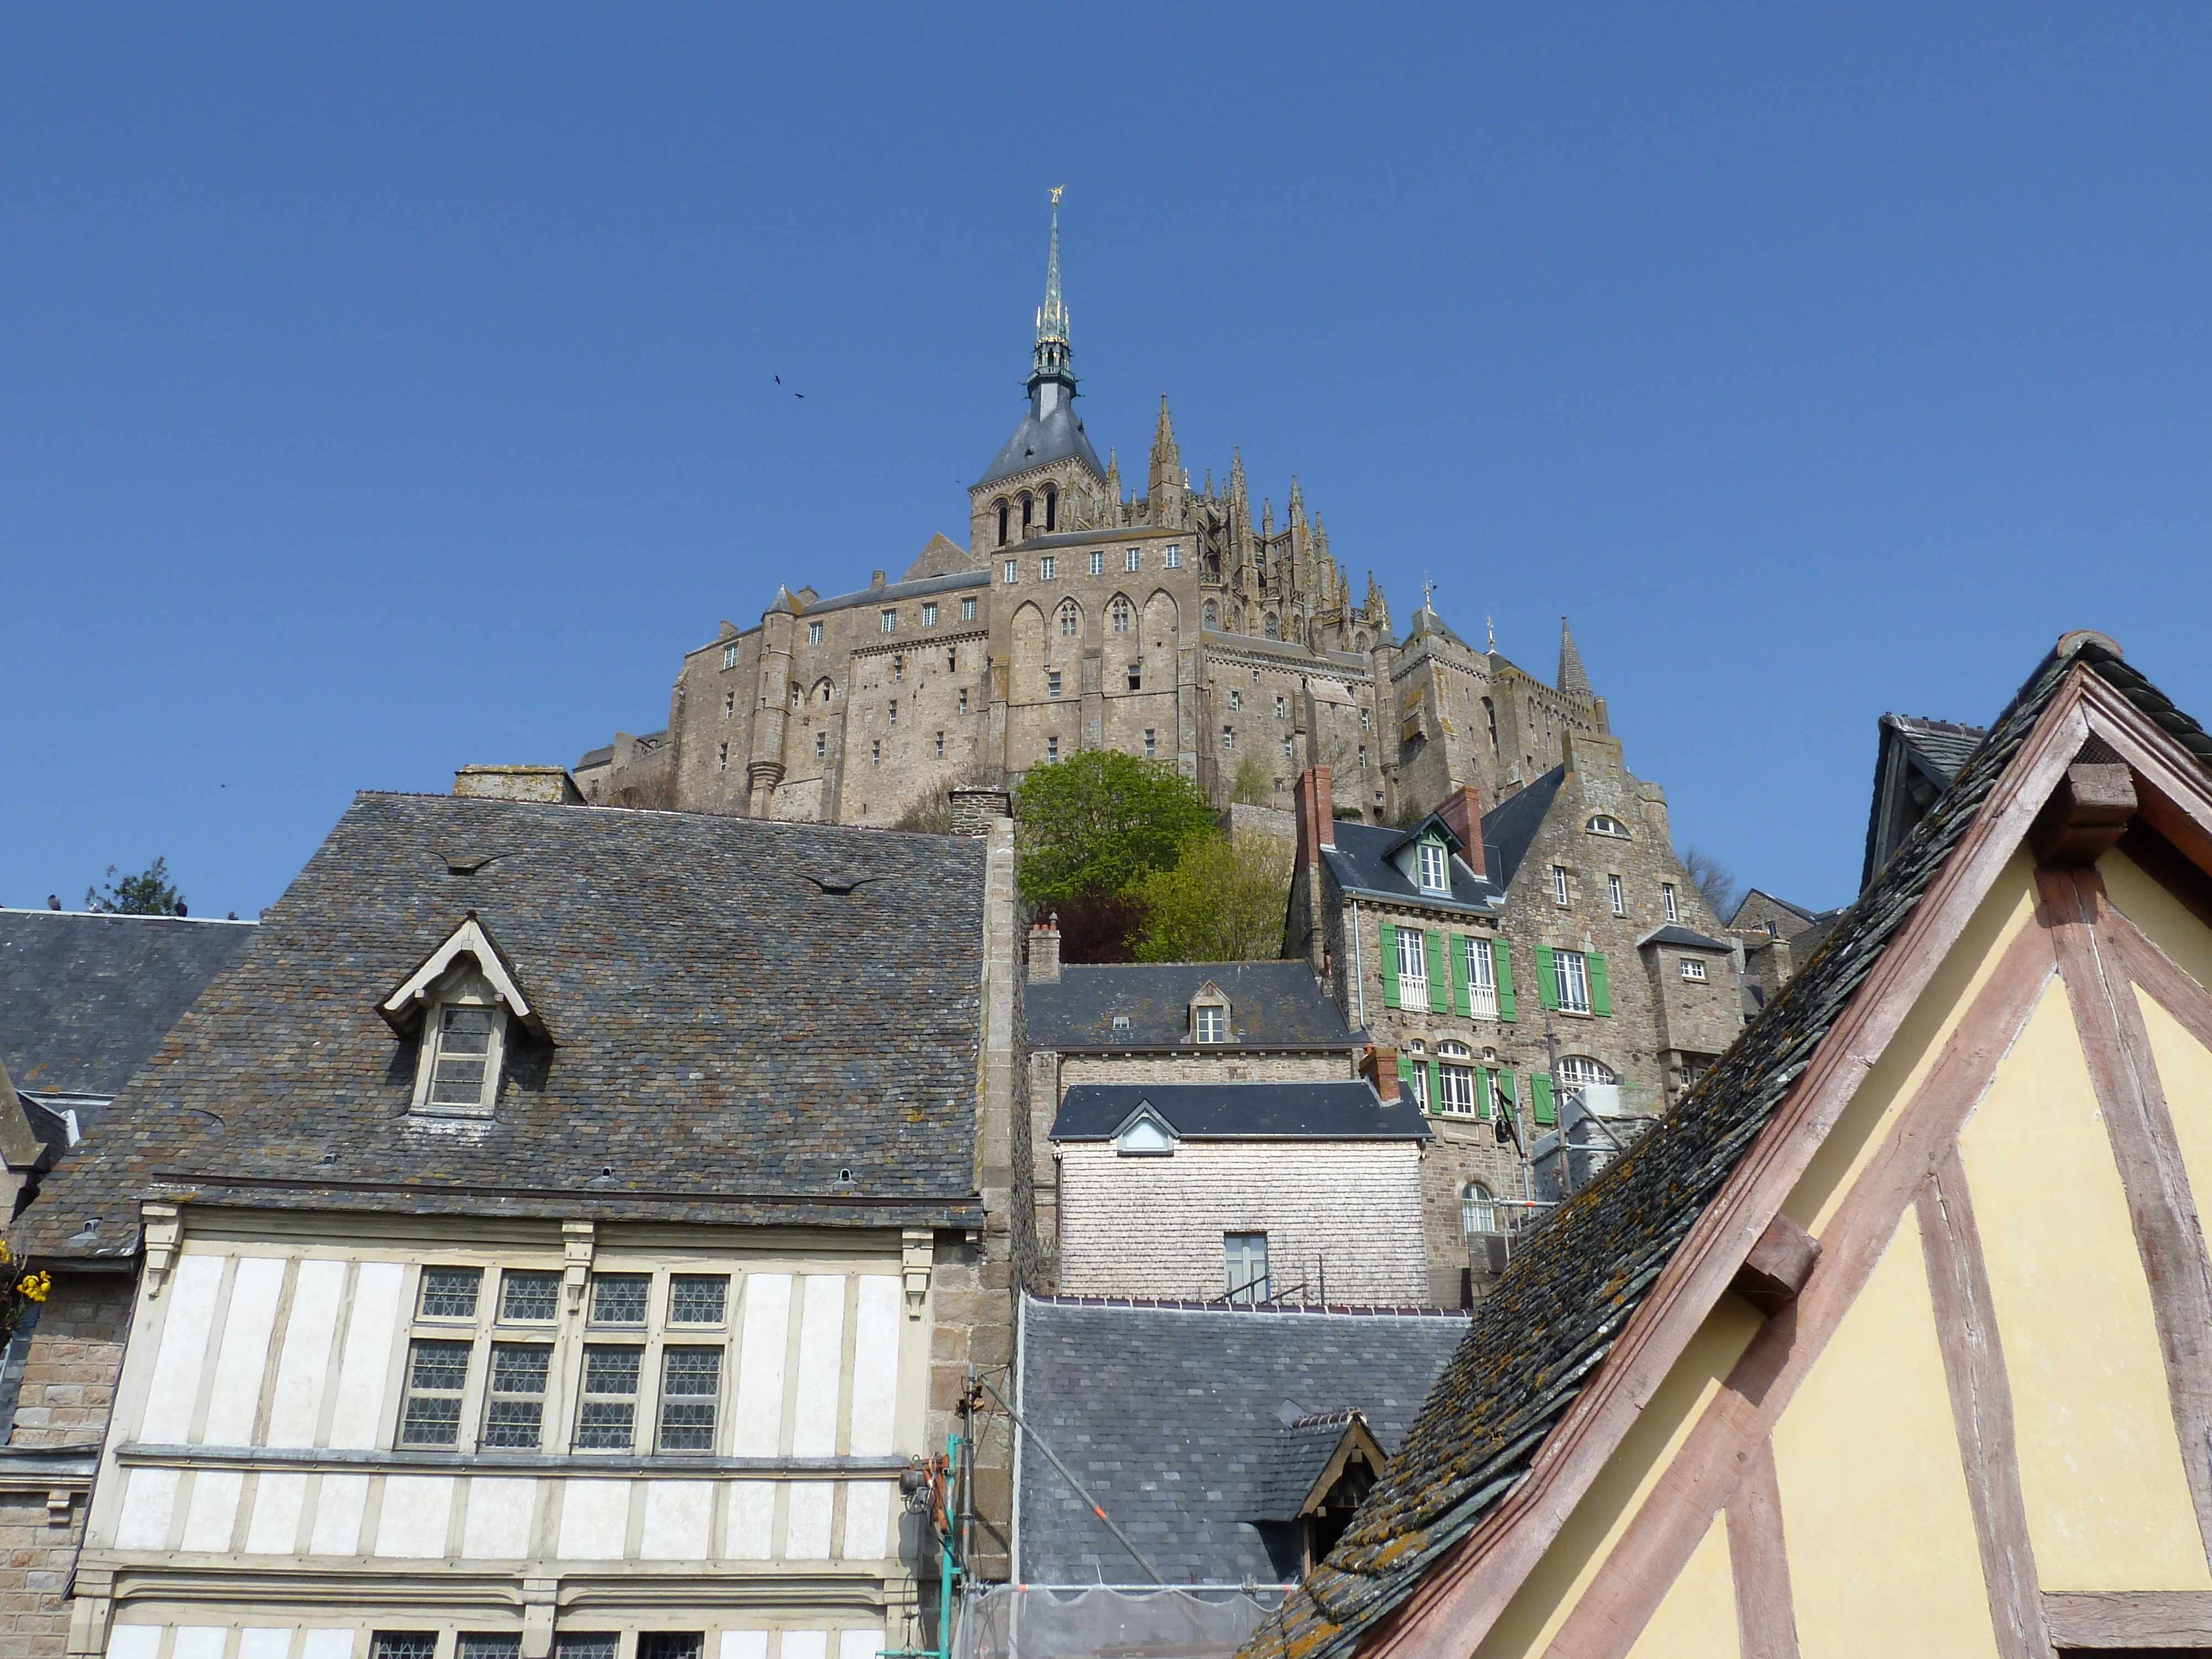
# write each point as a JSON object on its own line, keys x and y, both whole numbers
{"x": 1359, "y": 969}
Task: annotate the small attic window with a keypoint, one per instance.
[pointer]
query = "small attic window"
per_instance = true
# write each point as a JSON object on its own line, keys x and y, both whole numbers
{"x": 1606, "y": 824}
{"x": 1435, "y": 868}
{"x": 464, "y": 1042}
{"x": 1145, "y": 1136}
{"x": 1121, "y": 1022}
{"x": 1209, "y": 1015}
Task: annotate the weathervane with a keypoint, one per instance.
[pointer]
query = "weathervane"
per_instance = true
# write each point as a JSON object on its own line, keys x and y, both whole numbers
{"x": 1428, "y": 592}
{"x": 1491, "y": 622}
{"x": 1056, "y": 191}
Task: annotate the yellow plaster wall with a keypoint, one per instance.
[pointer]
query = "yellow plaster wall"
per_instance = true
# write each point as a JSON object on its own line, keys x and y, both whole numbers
{"x": 1890, "y": 1084}
{"x": 2108, "y": 1505}
{"x": 1565, "y": 1574}
{"x": 2164, "y": 920}
{"x": 2185, "y": 1072}
{"x": 1883, "y": 1557}
{"x": 1697, "y": 1618}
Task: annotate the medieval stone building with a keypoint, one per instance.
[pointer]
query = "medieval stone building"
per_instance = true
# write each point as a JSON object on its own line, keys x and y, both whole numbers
{"x": 1171, "y": 624}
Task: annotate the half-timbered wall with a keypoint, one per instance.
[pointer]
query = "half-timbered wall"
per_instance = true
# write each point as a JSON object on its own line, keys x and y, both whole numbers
{"x": 259, "y": 1477}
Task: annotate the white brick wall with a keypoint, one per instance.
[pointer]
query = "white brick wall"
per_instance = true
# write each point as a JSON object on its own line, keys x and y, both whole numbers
{"x": 1153, "y": 1226}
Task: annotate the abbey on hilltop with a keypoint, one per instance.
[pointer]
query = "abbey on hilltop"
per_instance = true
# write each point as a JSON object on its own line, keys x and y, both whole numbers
{"x": 1079, "y": 615}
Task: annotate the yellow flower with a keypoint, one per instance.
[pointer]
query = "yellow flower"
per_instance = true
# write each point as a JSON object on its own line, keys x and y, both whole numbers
{"x": 36, "y": 1286}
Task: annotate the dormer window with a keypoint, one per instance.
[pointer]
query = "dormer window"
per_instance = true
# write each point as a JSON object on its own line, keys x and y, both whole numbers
{"x": 1145, "y": 1133}
{"x": 464, "y": 999}
{"x": 1436, "y": 869}
{"x": 464, "y": 1057}
{"x": 1605, "y": 824}
{"x": 1209, "y": 1015}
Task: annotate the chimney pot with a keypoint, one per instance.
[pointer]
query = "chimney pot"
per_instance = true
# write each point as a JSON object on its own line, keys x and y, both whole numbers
{"x": 1379, "y": 1066}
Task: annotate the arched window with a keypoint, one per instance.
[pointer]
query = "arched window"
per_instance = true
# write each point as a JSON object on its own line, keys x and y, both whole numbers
{"x": 1051, "y": 510}
{"x": 1455, "y": 1080}
{"x": 1478, "y": 1209}
{"x": 824, "y": 688}
{"x": 1274, "y": 627}
{"x": 1071, "y": 619}
{"x": 1122, "y": 612}
{"x": 1359, "y": 643}
{"x": 1029, "y": 510}
{"x": 1212, "y": 614}
{"x": 1490, "y": 714}
{"x": 1002, "y": 523}
{"x": 1581, "y": 1068}
{"x": 1606, "y": 824}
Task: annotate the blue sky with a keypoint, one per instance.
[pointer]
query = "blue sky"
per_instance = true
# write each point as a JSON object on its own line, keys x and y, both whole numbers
{"x": 390, "y": 388}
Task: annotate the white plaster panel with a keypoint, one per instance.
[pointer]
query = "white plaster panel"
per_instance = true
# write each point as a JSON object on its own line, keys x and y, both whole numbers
{"x": 859, "y": 1643}
{"x": 806, "y": 1645}
{"x": 214, "y": 1508}
{"x": 262, "y": 1642}
{"x": 274, "y": 1527}
{"x": 759, "y": 1409}
{"x": 304, "y": 1366}
{"x": 875, "y": 1365}
{"x": 328, "y": 1645}
{"x": 821, "y": 1357}
{"x": 806, "y": 1536}
{"x": 677, "y": 1517}
{"x": 745, "y": 1644}
{"x": 867, "y": 1514}
{"x": 418, "y": 1508}
{"x": 594, "y": 1520}
{"x": 199, "y": 1642}
{"x": 176, "y": 1382}
{"x": 338, "y": 1515}
{"x": 243, "y": 1358}
{"x": 134, "y": 1641}
{"x": 359, "y": 1410}
{"x": 753, "y": 1519}
{"x": 147, "y": 1503}
{"x": 498, "y": 1525}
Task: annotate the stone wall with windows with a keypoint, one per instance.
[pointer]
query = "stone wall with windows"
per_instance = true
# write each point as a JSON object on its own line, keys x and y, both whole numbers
{"x": 1157, "y": 1226}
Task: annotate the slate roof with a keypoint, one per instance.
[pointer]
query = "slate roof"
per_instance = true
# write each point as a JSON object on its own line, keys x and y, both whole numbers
{"x": 1037, "y": 442}
{"x": 1360, "y": 862}
{"x": 1241, "y": 1111}
{"x": 85, "y": 998}
{"x": 1303, "y": 1448}
{"x": 1942, "y": 746}
{"x": 1509, "y": 827}
{"x": 1291, "y": 650}
{"x": 1172, "y": 1417}
{"x": 891, "y": 592}
{"x": 1557, "y": 1310}
{"x": 731, "y": 1038}
{"x": 1273, "y": 1004}
{"x": 1675, "y": 933}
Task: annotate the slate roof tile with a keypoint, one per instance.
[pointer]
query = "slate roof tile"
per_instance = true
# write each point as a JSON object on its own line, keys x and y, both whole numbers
{"x": 1347, "y": 1110}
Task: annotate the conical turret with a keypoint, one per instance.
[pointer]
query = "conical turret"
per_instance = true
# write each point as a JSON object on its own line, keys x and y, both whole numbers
{"x": 1572, "y": 679}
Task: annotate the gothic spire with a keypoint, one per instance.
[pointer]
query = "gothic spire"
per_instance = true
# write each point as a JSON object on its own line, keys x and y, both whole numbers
{"x": 1055, "y": 352}
{"x": 1167, "y": 459}
{"x": 1572, "y": 679}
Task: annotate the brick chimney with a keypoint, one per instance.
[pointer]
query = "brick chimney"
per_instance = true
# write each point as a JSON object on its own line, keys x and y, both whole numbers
{"x": 1315, "y": 802}
{"x": 1044, "y": 949}
{"x": 1379, "y": 1067}
{"x": 1462, "y": 810}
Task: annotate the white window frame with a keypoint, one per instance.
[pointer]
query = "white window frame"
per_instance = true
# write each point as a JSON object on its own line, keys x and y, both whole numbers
{"x": 1047, "y": 568}
{"x": 1151, "y": 743}
{"x": 814, "y": 632}
{"x": 1618, "y": 894}
{"x": 1435, "y": 862}
{"x": 1052, "y": 681}
{"x": 1052, "y": 749}
{"x": 466, "y": 988}
{"x": 1013, "y": 572}
{"x": 1413, "y": 946}
{"x": 1667, "y": 897}
{"x": 821, "y": 745}
{"x": 889, "y": 620}
{"x": 1478, "y": 1209}
{"x": 1122, "y": 614}
{"x": 1245, "y": 1274}
{"x": 1098, "y": 560}
{"x": 1134, "y": 560}
{"x": 1559, "y": 888}
{"x": 1210, "y": 1023}
{"x": 1570, "y": 981}
{"x": 1693, "y": 968}
{"x": 722, "y": 758}
{"x": 730, "y": 656}
{"x": 1069, "y": 616}
{"x": 1481, "y": 978}
{"x": 1454, "y": 1080}
{"x": 967, "y": 611}
{"x": 929, "y": 615}
{"x": 1173, "y": 557}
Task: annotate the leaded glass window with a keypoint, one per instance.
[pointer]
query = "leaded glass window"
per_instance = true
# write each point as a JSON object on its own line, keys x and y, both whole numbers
{"x": 690, "y": 1388}
{"x": 607, "y": 1419}
{"x": 436, "y": 1374}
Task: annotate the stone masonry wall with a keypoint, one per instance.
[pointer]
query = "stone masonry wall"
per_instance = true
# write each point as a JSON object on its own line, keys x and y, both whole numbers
{"x": 1153, "y": 1226}
{"x": 69, "y": 1385}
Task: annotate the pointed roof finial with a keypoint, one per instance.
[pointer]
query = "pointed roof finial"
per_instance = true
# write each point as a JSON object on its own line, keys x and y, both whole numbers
{"x": 1052, "y": 343}
{"x": 1572, "y": 679}
{"x": 1491, "y": 622}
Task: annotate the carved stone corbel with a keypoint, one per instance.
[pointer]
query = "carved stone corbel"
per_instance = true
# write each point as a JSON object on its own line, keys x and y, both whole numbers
{"x": 162, "y": 1228}
{"x": 917, "y": 1253}
{"x": 577, "y": 1238}
{"x": 539, "y": 1597}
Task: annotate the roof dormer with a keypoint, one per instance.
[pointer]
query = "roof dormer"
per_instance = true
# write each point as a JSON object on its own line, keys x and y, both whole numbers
{"x": 1145, "y": 1133}
{"x": 462, "y": 999}
{"x": 1210, "y": 1010}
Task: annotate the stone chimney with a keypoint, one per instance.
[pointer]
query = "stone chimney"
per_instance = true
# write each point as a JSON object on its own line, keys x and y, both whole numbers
{"x": 1379, "y": 1067}
{"x": 1044, "y": 950}
{"x": 975, "y": 808}
{"x": 1314, "y": 802}
{"x": 550, "y": 784}
{"x": 1462, "y": 810}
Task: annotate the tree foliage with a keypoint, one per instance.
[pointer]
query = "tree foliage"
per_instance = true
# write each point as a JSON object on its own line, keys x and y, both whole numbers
{"x": 1096, "y": 822}
{"x": 147, "y": 894}
{"x": 1714, "y": 879}
{"x": 1249, "y": 786}
{"x": 1221, "y": 903}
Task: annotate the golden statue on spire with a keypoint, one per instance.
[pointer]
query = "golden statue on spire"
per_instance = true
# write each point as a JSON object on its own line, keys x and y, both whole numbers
{"x": 1057, "y": 190}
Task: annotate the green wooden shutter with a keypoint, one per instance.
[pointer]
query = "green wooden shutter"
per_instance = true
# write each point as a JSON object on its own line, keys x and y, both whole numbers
{"x": 1512, "y": 1099}
{"x": 1387, "y": 936}
{"x": 1456, "y": 949}
{"x": 1482, "y": 1094}
{"x": 1540, "y": 1085}
{"x": 1600, "y": 990}
{"x": 1404, "y": 1077}
{"x": 1436, "y": 1090}
{"x": 1502, "y": 957}
{"x": 1547, "y": 977}
{"x": 1439, "y": 986}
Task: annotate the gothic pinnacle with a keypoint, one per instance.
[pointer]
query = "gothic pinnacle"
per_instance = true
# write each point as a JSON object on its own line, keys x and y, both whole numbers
{"x": 1572, "y": 679}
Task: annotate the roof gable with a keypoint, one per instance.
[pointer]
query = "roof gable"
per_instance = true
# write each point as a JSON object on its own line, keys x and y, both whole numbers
{"x": 1588, "y": 1323}
{"x": 404, "y": 1008}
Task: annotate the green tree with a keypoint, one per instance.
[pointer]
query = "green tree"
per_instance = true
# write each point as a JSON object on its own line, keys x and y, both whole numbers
{"x": 1249, "y": 786}
{"x": 148, "y": 894}
{"x": 1221, "y": 903}
{"x": 1096, "y": 822}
